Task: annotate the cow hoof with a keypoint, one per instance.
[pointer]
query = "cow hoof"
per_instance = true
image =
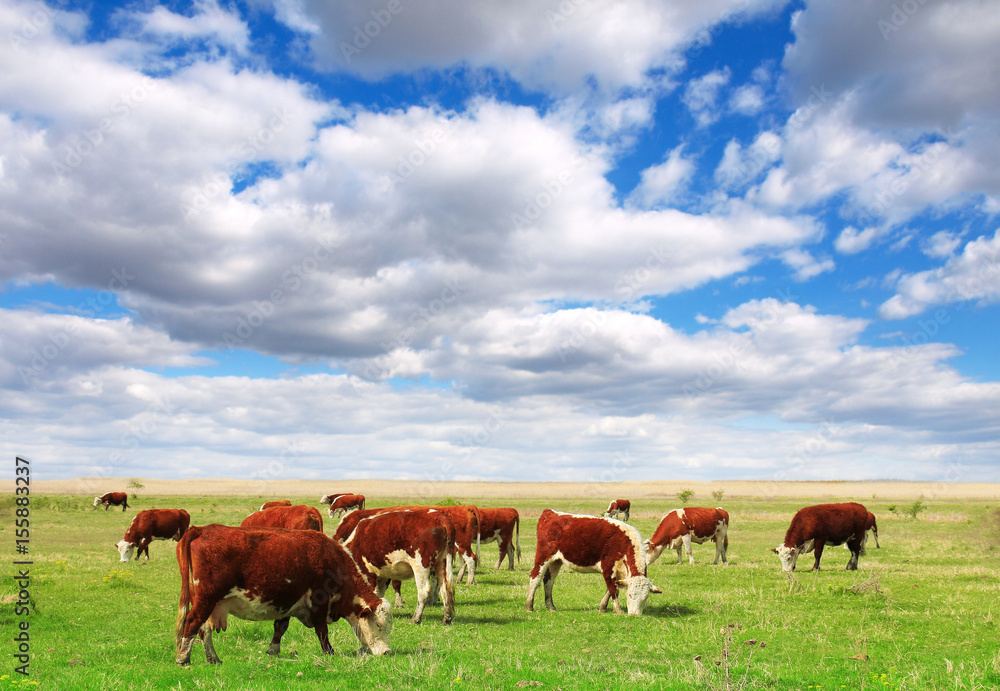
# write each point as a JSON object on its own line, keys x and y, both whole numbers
{"x": 274, "y": 651}
{"x": 549, "y": 606}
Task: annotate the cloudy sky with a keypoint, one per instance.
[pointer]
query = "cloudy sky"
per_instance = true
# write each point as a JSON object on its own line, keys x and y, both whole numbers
{"x": 520, "y": 240}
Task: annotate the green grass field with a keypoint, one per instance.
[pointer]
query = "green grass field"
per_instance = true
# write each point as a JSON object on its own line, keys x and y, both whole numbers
{"x": 921, "y": 613}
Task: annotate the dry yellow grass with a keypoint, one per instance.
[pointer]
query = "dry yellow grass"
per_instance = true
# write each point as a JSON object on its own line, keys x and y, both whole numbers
{"x": 531, "y": 490}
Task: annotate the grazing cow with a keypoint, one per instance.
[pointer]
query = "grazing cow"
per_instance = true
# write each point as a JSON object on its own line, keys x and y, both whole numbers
{"x": 149, "y": 525}
{"x": 618, "y": 508}
{"x": 299, "y": 517}
{"x": 272, "y": 574}
{"x": 276, "y": 502}
{"x": 345, "y": 503}
{"x": 465, "y": 518}
{"x": 112, "y": 499}
{"x": 591, "y": 545}
{"x": 680, "y": 527}
{"x": 328, "y": 498}
{"x": 813, "y": 527}
{"x": 504, "y": 527}
{"x": 408, "y": 543}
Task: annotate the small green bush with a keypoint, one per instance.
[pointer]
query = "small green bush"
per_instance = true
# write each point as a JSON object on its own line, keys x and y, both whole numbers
{"x": 685, "y": 496}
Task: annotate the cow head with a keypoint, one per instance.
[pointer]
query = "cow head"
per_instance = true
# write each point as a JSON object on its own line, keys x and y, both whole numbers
{"x": 373, "y": 627}
{"x": 125, "y": 549}
{"x": 97, "y": 500}
{"x": 788, "y": 555}
{"x": 639, "y": 588}
{"x": 653, "y": 552}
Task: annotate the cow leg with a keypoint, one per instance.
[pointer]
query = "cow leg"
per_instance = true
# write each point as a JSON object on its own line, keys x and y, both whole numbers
{"x": 857, "y": 548}
{"x": 818, "y": 550}
{"x": 721, "y": 544}
{"x": 143, "y": 547}
{"x": 323, "y": 633}
{"x": 505, "y": 551}
{"x": 533, "y": 586}
{"x": 687, "y": 548}
{"x": 549, "y": 582}
{"x": 423, "y": 582}
{"x": 435, "y": 583}
{"x": 280, "y": 626}
{"x": 107, "y": 506}
{"x": 680, "y": 550}
{"x": 470, "y": 561}
{"x": 206, "y": 637}
{"x": 446, "y": 590}
{"x": 197, "y": 621}
{"x": 611, "y": 594}
{"x": 398, "y": 587}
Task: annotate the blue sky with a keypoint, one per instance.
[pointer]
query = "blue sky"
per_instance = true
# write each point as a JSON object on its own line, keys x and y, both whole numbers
{"x": 719, "y": 240}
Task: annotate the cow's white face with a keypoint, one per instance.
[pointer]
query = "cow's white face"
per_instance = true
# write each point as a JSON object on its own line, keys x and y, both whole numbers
{"x": 652, "y": 553}
{"x": 125, "y": 549}
{"x": 639, "y": 589}
{"x": 788, "y": 556}
{"x": 97, "y": 500}
{"x": 373, "y": 631}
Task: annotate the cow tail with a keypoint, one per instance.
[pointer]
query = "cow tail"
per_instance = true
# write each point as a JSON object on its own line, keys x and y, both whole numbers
{"x": 517, "y": 537}
{"x": 187, "y": 575}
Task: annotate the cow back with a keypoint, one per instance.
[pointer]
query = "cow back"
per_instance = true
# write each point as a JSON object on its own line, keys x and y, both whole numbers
{"x": 299, "y": 517}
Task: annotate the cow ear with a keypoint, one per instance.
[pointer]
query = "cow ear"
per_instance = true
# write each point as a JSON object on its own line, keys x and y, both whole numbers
{"x": 774, "y": 549}
{"x": 654, "y": 589}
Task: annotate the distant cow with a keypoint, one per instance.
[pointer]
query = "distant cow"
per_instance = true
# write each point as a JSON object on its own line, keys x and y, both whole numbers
{"x": 328, "y": 498}
{"x": 591, "y": 545}
{"x": 112, "y": 499}
{"x": 814, "y": 527}
{"x": 618, "y": 508}
{"x": 149, "y": 525}
{"x": 504, "y": 527}
{"x": 276, "y": 502}
{"x": 465, "y": 518}
{"x": 346, "y": 503}
{"x": 299, "y": 517}
{"x": 680, "y": 527}
{"x": 408, "y": 543}
{"x": 272, "y": 574}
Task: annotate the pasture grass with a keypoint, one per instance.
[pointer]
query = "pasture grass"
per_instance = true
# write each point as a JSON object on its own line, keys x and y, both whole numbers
{"x": 922, "y": 612}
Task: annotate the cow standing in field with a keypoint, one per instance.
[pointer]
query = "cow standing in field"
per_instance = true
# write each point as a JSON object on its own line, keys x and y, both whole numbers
{"x": 680, "y": 527}
{"x": 276, "y": 502}
{"x": 112, "y": 499}
{"x": 272, "y": 574}
{"x": 465, "y": 518}
{"x": 814, "y": 527}
{"x": 345, "y": 503}
{"x": 299, "y": 517}
{"x": 149, "y": 525}
{"x": 591, "y": 545}
{"x": 408, "y": 543}
{"x": 618, "y": 508}
{"x": 504, "y": 527}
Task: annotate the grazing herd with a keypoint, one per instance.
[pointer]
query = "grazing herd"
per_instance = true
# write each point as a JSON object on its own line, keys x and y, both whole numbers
{"x": 280, "y": 564}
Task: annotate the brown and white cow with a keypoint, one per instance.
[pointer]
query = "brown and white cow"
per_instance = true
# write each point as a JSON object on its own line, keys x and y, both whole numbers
{"x": 345, "y": 503}
{"x": 591, "y": 545}
{"x": 408, "y": 543}
{"x": 112, "y": 499}
{"x": 328, "y": 498}
{"x": 465, "y": 518}
{"x": 618, "y": 508}
{"x": 276, "y": 502}
{"x": 263, "y": 574}
{"x": 149, "y": 525}
{"x": 504, "y": 527}
{"x": 680, "y": 527}
{"x": 814, "y": 527}
{"x": 299, "y": 517}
